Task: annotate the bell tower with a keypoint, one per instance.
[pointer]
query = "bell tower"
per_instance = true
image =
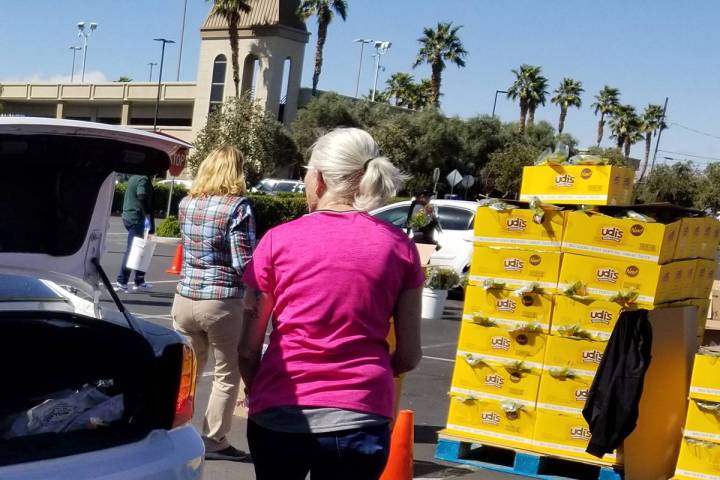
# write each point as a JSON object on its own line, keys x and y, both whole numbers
{"x": 271, "y": 48}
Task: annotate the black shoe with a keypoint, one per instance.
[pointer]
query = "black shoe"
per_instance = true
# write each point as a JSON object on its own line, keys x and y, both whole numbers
{"x": 230, "y": 454}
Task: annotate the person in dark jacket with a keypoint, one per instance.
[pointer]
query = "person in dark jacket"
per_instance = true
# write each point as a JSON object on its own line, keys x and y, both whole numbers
{"x": 137, "y": 212}
{"x": 612, "y": 409}
{"x": 424, "y": 233}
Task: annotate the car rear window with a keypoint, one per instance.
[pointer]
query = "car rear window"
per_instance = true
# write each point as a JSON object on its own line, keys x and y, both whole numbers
{"x": 18, "y": 288}
{"x": 452, "y": 218}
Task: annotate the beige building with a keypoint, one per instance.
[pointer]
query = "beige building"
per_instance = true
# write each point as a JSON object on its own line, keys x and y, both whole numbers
{"x": 271, "y": 50}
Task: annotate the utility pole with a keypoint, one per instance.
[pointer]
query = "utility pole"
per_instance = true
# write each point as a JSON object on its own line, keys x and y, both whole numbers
{"x": 182, "y": 40}
{"x": 495, "y": 102}
{"x": 657, "y": 143}
{"x": 159, "y": 86}
{"x": 362, "y": 42}
{"x": 84, "y": 34}
{"x": 381, "y": 49}
{"x": 151, "y": 64}
{"x": 72, "y": 72}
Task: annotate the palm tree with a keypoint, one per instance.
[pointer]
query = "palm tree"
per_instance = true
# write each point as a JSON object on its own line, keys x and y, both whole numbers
{"x": 400, "y": 86}
{"x": 439, "y": 46}
{"x": 625, "y": 125}
{"x": 529, "y": 90}
{"x": 325, "y": 10}
{"x": 230, "y": 10}
{"x": 567, "y": 95}
{"x": 607, "y": 100}
{"x": 651, "y": 122}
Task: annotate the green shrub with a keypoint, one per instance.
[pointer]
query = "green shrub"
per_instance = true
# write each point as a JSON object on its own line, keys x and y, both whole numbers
{"x": 160, "y": 198}
{"x": 170, "y": 227}
{"x": 271, "y": 211}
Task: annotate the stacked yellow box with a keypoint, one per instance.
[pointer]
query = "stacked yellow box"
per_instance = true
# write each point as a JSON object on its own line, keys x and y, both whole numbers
{"x": 578, "y": 184}
{"x": 700, "y": 449}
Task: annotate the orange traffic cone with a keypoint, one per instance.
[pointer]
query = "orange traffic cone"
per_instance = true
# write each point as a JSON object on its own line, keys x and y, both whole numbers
{"x": 400, "y": 462}
{"x": 176, "y": 266}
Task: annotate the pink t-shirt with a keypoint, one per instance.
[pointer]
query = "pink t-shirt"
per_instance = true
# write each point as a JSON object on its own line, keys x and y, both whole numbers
{"x": 336, "y": 278}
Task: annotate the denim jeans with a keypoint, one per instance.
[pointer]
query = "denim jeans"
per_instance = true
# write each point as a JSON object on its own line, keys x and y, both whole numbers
{"x": 137, "y": 230}
{"x": 358, "y": 454}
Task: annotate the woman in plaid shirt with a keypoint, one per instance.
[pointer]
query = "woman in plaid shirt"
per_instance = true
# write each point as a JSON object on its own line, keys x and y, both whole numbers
{"x": 218, "y": 236}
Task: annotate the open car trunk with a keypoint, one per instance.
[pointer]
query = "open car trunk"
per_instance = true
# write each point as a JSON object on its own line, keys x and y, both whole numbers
{"x": 58, "y": 358}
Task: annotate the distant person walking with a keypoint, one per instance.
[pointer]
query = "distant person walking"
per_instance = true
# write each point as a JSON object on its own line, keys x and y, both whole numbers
{"x": 321, "y": 398}
{"x": 218, "y": 236}
{"x": 422, "y": 219}
{"x": 137, "y": 215}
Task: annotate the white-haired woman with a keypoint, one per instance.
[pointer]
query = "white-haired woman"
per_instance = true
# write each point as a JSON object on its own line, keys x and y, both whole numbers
{"x": 322, "y": 394}
{"x": 218, "y": 236}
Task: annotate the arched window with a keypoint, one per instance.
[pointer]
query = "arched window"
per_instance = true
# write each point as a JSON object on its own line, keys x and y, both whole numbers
{"x": 217, "y": 85}
{"x": 251, "y": 69}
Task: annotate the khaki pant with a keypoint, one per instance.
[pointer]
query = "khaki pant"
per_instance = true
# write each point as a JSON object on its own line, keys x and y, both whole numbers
{"x": 215, "y": 324}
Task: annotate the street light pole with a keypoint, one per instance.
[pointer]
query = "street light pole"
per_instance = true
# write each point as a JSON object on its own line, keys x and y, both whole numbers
{"x": 657, "y": 143}
{"x": 152, "y": 64}
{"x": 495, "y": 102}
{"x": 159, "y": 86}
{"x": 72, "y": 72}
{"x": 362, "y": 42}
{"x": 381, "y": 48}
{"x": 182, "y": 40}
{"x": 84, "y": 34}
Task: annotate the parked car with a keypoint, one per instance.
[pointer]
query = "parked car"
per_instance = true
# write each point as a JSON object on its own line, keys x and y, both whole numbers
{"x": 178, "y": 181}
{"x": 88, "y": 390}
{"x": 456, "y": 218}
{"x": 273, "y": 186}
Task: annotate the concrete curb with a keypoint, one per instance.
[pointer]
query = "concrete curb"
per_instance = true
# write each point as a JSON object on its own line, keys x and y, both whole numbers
{"x": 167, "y": 240}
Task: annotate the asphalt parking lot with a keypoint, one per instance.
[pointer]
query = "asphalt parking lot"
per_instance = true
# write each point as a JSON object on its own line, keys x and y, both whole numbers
{"x": 424, "y": 392}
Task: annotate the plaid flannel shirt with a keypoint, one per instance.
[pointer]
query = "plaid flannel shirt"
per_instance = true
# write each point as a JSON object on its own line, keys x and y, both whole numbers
{"x": 218, "y": 236}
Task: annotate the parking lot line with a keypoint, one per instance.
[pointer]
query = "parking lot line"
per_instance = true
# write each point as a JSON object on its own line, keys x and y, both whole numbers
{"x": 439, "y": 359}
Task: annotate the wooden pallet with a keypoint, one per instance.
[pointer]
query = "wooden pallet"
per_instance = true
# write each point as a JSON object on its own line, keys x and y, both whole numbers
{"x": 518, "y": 462}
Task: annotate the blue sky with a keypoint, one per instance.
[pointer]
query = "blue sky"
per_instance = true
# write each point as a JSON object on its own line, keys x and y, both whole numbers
{"x": 649, "y": 49}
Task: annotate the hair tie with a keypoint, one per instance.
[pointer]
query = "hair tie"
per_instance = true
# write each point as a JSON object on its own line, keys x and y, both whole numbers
{"x": 367, "y": 162}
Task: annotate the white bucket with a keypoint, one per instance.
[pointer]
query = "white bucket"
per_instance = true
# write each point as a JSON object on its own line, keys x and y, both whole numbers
{"x": 141, "y": 254}
{"x": 433, "y": 303}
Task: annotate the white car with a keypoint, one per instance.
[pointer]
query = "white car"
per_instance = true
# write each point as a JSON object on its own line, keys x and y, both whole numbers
{"x": 273, "y": 186}
{"x": 88, "y": 391}
{"x": 456, "y": 218}
{"x": 187, "y": 184}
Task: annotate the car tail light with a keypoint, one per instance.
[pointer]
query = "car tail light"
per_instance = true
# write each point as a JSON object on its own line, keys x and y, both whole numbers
{"x": 185, "y": 404}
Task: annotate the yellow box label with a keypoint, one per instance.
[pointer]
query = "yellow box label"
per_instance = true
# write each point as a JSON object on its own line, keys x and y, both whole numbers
{"x": 499, "y": 379}
{"x": 578, "y": 184}
{"x": 516, "y": 228}
{"x": 495, "y": 343}
{"x": 485, "y": 419}
{"x": 705, "y": 382}
{"x": 601, "y": 235}
{"x": 605, "y": 278}
{"x": 580, "y": 356}
{"x": 698, "y": 460}
{"x": 515, "y": 268}
{"x": 563, "y": 391}
{"x": 506, "y": 309}
{"x": 564, "y": 434}
{"x": 595, "y": 317}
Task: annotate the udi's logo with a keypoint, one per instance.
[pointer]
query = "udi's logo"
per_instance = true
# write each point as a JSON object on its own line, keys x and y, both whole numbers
{"x": 500, "y": 343}
{"x": 565, "y": 181}
{"x": 580, "y": 433}
{"x": 607, "y": 275}
{"x": 611, "y": 234}
{"x": 505, "y": 305}
{"x": 494, "y": 380}
{"x": 632, "y": 271}
{"x": 581, "y": 394}
{"x": 586, "y": 173}
{"x": 528, "y": 300}
{"x": 515, "y": 224}
{"x": 535, "y": 260}
{"x": 490, "y": 418}
{"x": 601, "y": 316}
{"x": 513, "y": 265}
{"x": 637, "y": 230}
{"x": 592, "y": 356}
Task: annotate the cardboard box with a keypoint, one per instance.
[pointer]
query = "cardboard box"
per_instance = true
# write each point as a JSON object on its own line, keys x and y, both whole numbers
{"x": 507, "y": 310}
{"x": 578, "y": 184}
{"x": 704, "y": 278}
{"x": 515, "y": 268}
{"x": 565, "y": 435}
{"x": 486, "y": 420}
{"x": 516, "y": 228}
{"x": 495, "y": 343}
{"x": 595, "y": 317}
{"x": 563, "y": 391}
{"x": 703, "y": 420}
{"x": 604, "y": 236}
{"x": 705, "y": 381}
{"x": 698, "y": 459}
{"x": 581, "y": 356}
{"x": 605, "y": 278}
{"x": 698, "y": 238}
{"x": 499, "y": 379}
